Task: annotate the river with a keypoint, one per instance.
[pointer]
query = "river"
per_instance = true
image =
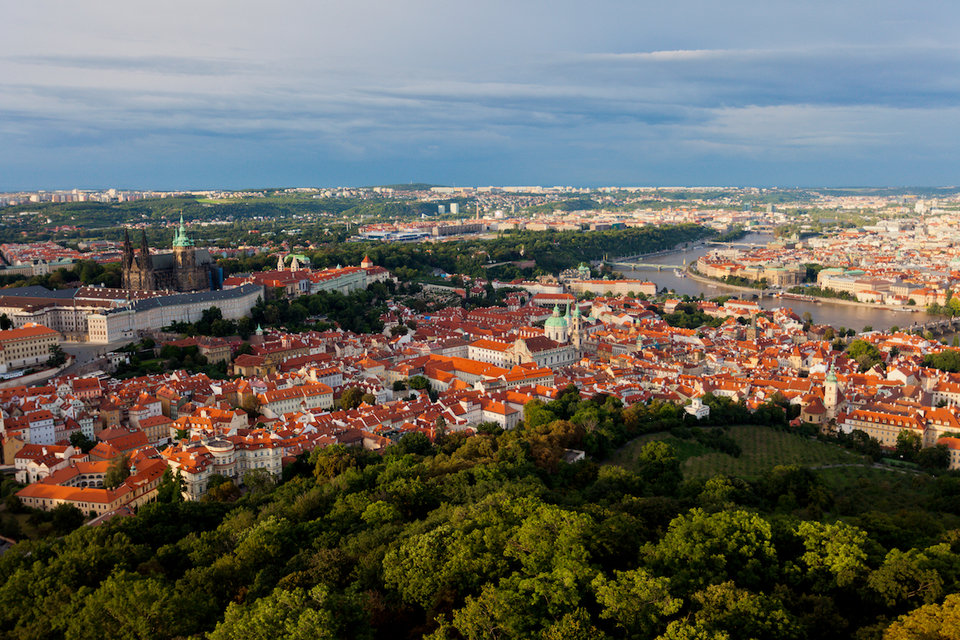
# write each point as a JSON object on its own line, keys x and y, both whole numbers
{"x": 835, "y": 315}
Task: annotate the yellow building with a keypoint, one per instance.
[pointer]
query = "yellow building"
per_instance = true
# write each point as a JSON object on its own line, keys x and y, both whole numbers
{"x": 27, "y": 346}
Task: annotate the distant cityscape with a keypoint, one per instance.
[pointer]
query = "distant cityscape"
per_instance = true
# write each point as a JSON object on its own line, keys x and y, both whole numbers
{"x": 596, "y": 325}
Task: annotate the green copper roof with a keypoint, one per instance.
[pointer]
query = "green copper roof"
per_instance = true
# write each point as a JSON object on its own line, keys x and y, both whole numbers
{"x": 556, "y": 320}
{"x": 180, "y": 238}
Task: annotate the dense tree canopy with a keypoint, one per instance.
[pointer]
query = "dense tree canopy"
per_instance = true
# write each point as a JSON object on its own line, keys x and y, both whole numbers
{"x": 495, "y": 536}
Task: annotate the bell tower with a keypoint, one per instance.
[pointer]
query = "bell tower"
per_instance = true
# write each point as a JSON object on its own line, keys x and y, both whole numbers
{"x": 185, "y": 260}
{"x": 831, "y": 394}
{"x": 576, "y": 328}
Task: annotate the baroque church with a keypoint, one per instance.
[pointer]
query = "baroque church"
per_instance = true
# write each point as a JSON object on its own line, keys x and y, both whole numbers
{"x": 187, "y": 268}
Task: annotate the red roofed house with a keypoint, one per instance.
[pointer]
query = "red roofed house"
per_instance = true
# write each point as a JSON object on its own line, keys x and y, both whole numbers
{"x": 274, "y": 404}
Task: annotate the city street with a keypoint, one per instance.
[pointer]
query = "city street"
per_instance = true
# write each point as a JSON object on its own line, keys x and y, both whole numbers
{"x": 86, "y": 353}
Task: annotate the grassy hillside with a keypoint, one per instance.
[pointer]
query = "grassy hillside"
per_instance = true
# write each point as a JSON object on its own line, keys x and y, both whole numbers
{"x": 762, "y": 449}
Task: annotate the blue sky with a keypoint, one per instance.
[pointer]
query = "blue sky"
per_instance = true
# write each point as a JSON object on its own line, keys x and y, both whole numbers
{"x": 236, "y": 94}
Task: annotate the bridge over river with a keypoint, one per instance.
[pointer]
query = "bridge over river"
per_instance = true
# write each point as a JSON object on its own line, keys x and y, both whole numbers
{"x": 636, "y": 266}
{"x": 940, "y": 325}
{"x": 744, "y": 245}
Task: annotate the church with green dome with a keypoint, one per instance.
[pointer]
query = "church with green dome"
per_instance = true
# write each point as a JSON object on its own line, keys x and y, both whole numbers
{"x": 566, "y": 328}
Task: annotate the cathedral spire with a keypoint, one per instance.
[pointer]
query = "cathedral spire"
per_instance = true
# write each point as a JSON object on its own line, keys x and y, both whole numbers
{"x": 145, "y": 251}
{"x": 127, "y": 249}
{"x": 180, "y": 238}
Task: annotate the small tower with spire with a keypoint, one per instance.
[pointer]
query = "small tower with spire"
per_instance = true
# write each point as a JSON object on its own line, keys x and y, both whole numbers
{"x": 257, "y": 338}
{"x": 576, "y": 328}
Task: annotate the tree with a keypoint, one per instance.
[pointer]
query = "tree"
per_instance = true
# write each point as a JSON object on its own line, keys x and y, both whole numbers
{"x": 295, "y": 614}
{"x": 835, "y": 554}
{"x": 908, "y": 445}
{"x": 57, "y": 356}
{"x": 659, "y": 467}
{"x": 789, "y": 487}
{"x": 700, "y": 548}
{"x": 636, "y": 601}
{"x": 936, "y": 457}
{"x": 331, "y": 461}
{"x": 215, "y": 480}
{"x": 65, "y": 518}
{"x": 536, "y": 413}
{"x": 117, "y": 472}
{"x": 415, "y": 442}
{"x": 259, "y": 481}
{"x": 915, "y": 576}
{"x": 726, "y": 608}
{"x": 350, "y": 398}
{"x": 79, "y": 440}
{"x": 127, "y": 605}
{"x": 5, "y": 322}
{"x": 418, "y": 383}
{"x": 245, "y": 348}
{"x": 489, "y": 428}
{"x": 171, "y": 487}
{"x": 946, "y": 360}
{"x": 14, "y": 504}
{"x": 223, "y": 492}
{"x": 929, "y": 622}
{"x": 864, "y": 353}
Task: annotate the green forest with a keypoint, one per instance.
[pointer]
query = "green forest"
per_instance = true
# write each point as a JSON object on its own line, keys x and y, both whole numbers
{"x": 552, "y": 251}
{"x": 495, "y": 536}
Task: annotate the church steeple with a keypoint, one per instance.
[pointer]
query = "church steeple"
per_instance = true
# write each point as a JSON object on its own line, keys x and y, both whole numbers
{"x": 180, "y": 238}
{"x": 145, "y": 262}
{"x": 127, "y": 249}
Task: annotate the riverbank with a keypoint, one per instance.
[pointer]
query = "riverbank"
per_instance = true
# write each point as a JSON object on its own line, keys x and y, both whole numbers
{"x": 865, "y": 305}
{"x": 693, "y": 275}
{"x": 702, "y": 279}
{"x": 836, "y": 315}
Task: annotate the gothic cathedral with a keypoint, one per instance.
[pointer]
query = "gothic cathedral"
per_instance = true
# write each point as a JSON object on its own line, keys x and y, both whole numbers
{"x": 186, "y": 269}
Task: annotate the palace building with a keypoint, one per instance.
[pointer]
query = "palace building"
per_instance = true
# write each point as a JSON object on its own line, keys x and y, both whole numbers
{"x": 187, "y": 268}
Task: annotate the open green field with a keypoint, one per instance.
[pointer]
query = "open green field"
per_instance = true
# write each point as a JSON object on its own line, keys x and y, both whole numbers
{"x": 763, "y": 448}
